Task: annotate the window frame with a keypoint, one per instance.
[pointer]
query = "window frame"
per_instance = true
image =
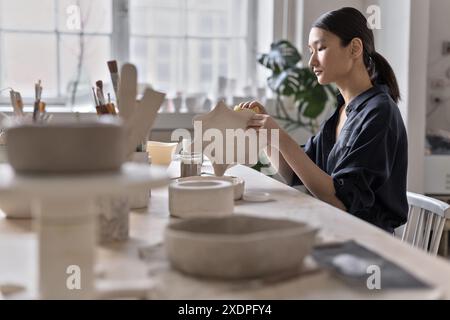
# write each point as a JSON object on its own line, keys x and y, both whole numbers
{"x": 120, "y": 44}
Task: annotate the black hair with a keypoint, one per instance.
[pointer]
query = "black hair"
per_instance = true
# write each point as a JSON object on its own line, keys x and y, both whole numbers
{"x": 349, "y": 23}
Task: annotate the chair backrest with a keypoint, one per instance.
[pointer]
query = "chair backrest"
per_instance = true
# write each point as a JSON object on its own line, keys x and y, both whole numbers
{"x": 426, "y": 219}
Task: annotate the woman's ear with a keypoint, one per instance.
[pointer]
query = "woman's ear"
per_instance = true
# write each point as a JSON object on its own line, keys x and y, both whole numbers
{"x": 356, "y": 47}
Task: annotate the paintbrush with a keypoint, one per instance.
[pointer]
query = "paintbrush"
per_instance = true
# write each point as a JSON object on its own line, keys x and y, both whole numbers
{"x": 115, "y": 78}
{"x": 12, "y": 95}
{"x": 37, "y": 94}
{"x": 95, "y": 97}
{"x": 19, "y": 103}
{"x": 100, "y": 95}
{"x": 42, "y": 106}
{"x": 111, "y": 109}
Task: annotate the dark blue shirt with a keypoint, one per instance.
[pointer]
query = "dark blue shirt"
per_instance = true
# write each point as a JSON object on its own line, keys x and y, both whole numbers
{"x": 368, "y": 162}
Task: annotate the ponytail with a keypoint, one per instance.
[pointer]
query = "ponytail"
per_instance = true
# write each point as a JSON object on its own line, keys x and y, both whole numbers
{"x": 380, "y": 72}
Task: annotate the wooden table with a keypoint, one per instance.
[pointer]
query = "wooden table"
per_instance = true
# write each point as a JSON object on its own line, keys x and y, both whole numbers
{"x": 138, "y": 267}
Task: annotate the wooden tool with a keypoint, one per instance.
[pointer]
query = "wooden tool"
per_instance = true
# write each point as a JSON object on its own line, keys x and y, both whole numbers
{"x": 139, "y": 124}
{"x": 127, "y": 91}
{"x": 115, "y": 78}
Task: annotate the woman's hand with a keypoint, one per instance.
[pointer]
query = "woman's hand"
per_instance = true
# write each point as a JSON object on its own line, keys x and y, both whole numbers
{"x": 255, "y": 106}
{"x": 260, "y": 120}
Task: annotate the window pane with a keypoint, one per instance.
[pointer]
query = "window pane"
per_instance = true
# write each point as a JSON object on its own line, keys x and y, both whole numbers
{"x": 217, "y": 18}
{"x": 238, "y": 67}
{"x": 93, "y": 66}
{"x": 27, "y": 58}
{"x": 159, "y": 62}
{"x": 94, "y": 15}
{"x": 208, "y": 39}
{"x": 156, "y": 17}
{"x": 226, "y": 58}
{"x": 27, "y": 15}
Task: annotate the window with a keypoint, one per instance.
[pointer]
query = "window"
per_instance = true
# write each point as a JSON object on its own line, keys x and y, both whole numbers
{"x": 186, "y": 45}
{"x": 179, "y": 46}
{"x": 42, "y": 40}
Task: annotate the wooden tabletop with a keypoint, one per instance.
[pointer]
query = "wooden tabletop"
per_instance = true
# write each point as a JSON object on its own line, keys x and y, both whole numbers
{"x": 141, "y": 260}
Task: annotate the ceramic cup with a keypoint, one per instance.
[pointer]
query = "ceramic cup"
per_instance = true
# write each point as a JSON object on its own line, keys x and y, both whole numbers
{"x": 161, "y": 152}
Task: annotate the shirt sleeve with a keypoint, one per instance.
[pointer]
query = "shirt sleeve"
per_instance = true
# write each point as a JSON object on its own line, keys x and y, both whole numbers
{"x": 366, "y": 166}
{"x": 310, "y": 149}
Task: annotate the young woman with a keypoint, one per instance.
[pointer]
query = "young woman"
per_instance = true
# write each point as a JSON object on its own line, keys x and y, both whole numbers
{"x": 358, "y": 160}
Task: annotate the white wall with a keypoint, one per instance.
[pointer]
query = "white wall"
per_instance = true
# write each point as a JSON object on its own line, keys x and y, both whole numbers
{"x": 403, "y": 41}
{"x": 393, "y": 42}
{"x": 417, "y": 93}
{"x": 438, "y": 64}
{"x": 310, "y": 10}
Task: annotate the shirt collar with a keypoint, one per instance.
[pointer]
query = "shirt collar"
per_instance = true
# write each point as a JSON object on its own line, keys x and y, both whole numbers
{"x": 358, "y": 102}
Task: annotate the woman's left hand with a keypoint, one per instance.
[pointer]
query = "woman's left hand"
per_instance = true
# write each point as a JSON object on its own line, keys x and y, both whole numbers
{"x": 262, "y": 121}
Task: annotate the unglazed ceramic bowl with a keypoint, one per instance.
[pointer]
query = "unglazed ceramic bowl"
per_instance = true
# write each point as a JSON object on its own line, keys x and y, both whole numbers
{"x": 66, "y": 147}
{"x": 238, "y": 246}
{"x": 201, "y": 198}
{"x": 238, "y": 183}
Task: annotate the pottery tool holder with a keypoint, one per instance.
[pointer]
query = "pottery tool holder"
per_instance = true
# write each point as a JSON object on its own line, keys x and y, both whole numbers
{"x": 39, "y": 106}
{"x": 138, "y": 115}
{"x": 102, "y": 106}
{"x": 16, "y": 102}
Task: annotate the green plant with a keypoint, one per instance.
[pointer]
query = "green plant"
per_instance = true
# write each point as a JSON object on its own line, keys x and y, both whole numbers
{"x": 290, "y": 80}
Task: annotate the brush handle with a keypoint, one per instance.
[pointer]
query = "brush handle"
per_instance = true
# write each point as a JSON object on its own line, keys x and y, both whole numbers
{"x": 19, "y": 103}
{"x": 115, "y": 82}
{"x": 36, "y": 110}
{"x": 13, "y": 97}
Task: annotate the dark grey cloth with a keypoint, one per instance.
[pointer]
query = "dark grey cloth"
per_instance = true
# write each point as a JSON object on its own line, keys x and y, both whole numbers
{"x": 354, "y": 263}
{"x": 368, "y": 162}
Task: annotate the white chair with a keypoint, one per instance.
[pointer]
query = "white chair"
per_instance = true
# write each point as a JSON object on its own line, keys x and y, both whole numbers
{"x": 426, "y": 219}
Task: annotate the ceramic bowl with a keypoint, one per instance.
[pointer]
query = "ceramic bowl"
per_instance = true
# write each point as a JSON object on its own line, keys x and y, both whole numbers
{"x": 201, "y": 198}
{"x": 66, "y": 147}
{"x": 161, "y": 152}
{"x": 238, "y": 247}
{"x": 238, "y": 183}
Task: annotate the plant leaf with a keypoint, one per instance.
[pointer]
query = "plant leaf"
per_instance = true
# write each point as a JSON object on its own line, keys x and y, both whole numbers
{"x": 283, "y": 55}
{"x": 288, "y": 82}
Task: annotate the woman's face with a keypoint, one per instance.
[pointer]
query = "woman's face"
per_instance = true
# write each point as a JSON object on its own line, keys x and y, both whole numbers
{"x": 330, "y": 61}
